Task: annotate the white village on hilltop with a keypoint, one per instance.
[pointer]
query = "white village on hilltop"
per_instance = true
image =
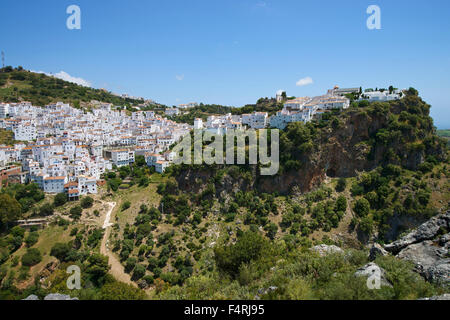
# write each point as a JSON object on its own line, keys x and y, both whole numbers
{"x": 65, "y": 149}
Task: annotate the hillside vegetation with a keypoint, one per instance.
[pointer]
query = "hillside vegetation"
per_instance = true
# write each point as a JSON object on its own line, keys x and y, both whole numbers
{"x": 202, "y": 111}
{"x": 365, "y": 175}
{"x": 17, "y": 84}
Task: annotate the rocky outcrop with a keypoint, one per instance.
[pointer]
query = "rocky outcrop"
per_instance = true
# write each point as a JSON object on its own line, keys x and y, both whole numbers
{"x": 441, "y": 297}
{"x": 372, "y": 269}
{"x": 264, "y": 291}
{"x": 427, "y": 248}
{"x": 341, "y": 150}
{"x": 324, "y": 249}
{"x": 431, "y": 261}
{"x": 427, "y": 231}
{"x": 58, "y": 296}
{"x": 376, "y": 250}
{"x": 51, "y": 296}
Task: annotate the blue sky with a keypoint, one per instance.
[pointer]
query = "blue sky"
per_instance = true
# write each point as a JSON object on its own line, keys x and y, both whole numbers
{"x": 233, "y": 52}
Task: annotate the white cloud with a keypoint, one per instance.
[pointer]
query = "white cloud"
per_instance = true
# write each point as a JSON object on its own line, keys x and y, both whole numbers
{"x": 261, "y": 4}
{"x": 179, "y": 77}
{"x": 304, "y": 82}
{"x": 67, "y": 77}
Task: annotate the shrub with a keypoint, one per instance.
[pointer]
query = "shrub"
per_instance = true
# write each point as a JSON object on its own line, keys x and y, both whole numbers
{"x": 139, "y": 272}
{"x": 87, "y": 202}
{"x": 130, "y": 264}
{"x": 31, "y": 257}
{"x": 248, "y": 247}
{"x": 32, "y": 238}
{"x": 149, "y": 279}
{"x": 60, "y": 251}
{"x": 362, "y": 207}
{"x": 46, "y": 209}
{"x": 126, "y": 205}
{"x": 75, "y": 212}
{"x": 341, "y": 185}
{"x": 60, "y": 199}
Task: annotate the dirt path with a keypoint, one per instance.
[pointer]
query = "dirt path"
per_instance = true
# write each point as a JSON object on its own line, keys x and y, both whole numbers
{"x": 117, "y": 270}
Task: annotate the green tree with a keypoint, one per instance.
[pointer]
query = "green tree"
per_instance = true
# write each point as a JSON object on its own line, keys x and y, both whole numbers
{"x": 32, "y": 238}
{"x": 60, "y": 200}
{"x": 362, "y": 207}
{"x": 341, "y": 185}
{"x": 341, "y": 204}
{"x": 87, "y": 202}
{"x": 97, "y": 268}
{"x": 31, "y": 257}
{"x": 60, "y": 251}
{"x": 75, "y": 212}
{"x": 46, "y": 209}
{"x": 139, "y": 272}
{"x": 10, "y": 210}
{"x": 248, "y": 247}
{"x": 125, "y": 205}
{"x": 115, "y": 290}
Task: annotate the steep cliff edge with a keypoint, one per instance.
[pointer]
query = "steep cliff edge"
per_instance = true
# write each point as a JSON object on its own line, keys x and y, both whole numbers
{"x": 340, "y": 145}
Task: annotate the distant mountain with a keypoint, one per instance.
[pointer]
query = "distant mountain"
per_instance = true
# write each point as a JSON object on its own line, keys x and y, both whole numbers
{"x": 17, "y": 84}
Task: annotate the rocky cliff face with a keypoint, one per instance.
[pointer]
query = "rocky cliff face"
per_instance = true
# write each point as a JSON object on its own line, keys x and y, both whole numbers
{"x": 342, "y": 150}
{"x": 428, "y": 247}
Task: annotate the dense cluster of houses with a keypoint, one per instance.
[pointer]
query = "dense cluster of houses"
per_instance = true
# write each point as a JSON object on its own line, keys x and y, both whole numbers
{"x": 65, "y": 149}
{"x": 301, "y": 109}
{"x": 295, "y": 109}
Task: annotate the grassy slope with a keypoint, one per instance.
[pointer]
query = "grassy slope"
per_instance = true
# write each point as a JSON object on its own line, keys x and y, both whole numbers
{"x": 41, "y": 89}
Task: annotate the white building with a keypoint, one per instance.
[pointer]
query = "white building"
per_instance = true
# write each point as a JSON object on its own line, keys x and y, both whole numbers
{"x": 170, "y": 112}
{"x": 4, "y": 110}
{"x": 256, "y": 120}
{"x": 188, "y": 105}
{"x": 198, "y": 124}
{"x": 281, "y": 94}
{"x": 122, "y": 157}
{"x": 25, "y": 132}
{"x": 54, "y": 184}
{"x": 87, "y": 185}
{"x": 381, "y": 96}
{"x": 161, "y": 166}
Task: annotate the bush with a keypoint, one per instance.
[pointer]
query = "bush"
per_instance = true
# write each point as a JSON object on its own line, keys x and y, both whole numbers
{"x": 32, "y": 238}
{"x": 341, "y": 185}
{"x": 46, "y": 209}
{"x": 4, "y": 255}
{"x": 248, "y": 247}
{"x": 60, "y": 200}
{"x": 126, "y": 205}
{"x": 148, "y": 279}
{"x": 139, "y": 272}
{"x": 130, "y": 264}
{"x": 75, "y": 212}
{"x": 60, "y": 251}
{"x": 31, "y": 257}
{"x": 87, "y": 202}
{"x": 362, "y": 207}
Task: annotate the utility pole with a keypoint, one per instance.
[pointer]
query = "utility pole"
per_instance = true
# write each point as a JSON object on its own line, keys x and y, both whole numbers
{"x": 3, "y": 59}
